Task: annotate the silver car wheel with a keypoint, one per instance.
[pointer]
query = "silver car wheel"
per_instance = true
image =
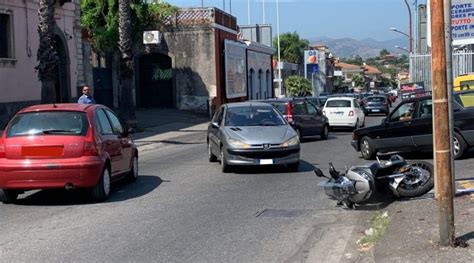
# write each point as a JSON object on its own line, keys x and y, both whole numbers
{"x": 135, "y": 167}
{"x": 106, "y": 182}
{"x": 365, "y": 147}
{"x": 457, "y": 146}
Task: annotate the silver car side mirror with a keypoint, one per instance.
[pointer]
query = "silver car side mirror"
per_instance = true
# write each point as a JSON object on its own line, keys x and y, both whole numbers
{"x": 215, "y": 125}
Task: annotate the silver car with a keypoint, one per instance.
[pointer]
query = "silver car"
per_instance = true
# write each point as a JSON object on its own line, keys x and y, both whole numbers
{"x": 252, "y": 133}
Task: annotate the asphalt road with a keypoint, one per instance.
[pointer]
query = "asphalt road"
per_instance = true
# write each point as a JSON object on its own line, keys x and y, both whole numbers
{"x": 183, "y": 209}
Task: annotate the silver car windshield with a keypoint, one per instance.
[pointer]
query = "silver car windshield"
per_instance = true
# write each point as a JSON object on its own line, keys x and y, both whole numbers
{"x": 253, "y": 116}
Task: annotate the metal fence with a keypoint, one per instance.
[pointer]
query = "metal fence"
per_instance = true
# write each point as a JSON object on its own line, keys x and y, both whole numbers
{"x": 420, "y": 66}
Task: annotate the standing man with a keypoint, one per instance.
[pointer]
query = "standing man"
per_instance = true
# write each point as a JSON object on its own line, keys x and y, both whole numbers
{"x": 86, "y": 97}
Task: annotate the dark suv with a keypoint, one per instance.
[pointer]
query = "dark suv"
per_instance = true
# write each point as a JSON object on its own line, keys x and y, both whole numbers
{"x": 303, "y": 116}
{"x": 409, "y": 127}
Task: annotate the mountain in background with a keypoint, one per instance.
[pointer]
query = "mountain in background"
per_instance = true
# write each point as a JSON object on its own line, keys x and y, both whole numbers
{"x": 366, "y": 48}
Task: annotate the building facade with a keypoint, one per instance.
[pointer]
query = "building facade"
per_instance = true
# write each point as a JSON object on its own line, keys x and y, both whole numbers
{"x": 19, "y": 42}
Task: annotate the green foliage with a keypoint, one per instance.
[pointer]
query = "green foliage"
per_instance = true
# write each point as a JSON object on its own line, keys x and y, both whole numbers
{"x": 386, "y": 82}
{"x": 358, "y": 80}
{"x": 384, "y": 52}
{"x": 100, "y": 19}
{"x": 298, "y": 86}
{"x": 357, "y": 60}
{"x": 291, "y": 47}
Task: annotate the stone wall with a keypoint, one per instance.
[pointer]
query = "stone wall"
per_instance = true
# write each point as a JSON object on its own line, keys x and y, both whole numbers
{"x": 193, "y": 54}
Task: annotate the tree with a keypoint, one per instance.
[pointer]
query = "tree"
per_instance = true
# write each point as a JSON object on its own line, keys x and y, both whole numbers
{"x": 127, "y": 109}
{"x": 357, "y": 60}
{"x": 298, "y": 86}
{"x": 358, "y": 80}
{"x": 291, "y": 47}
{"x": 384, "y": 53}
{"x": 114, "y": 26}
{"x": 47, "y": 56}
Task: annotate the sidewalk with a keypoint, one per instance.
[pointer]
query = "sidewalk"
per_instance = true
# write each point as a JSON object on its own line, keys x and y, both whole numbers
{"x": 413, "y": 233}
{"x": 158, "y": 127}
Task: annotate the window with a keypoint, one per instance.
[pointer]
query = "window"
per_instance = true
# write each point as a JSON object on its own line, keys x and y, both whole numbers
{"x": 338, "y": 103}
{"x": 104, "y": 124}
{"x": 311, "y": 109}
{"x": 356, "y": 104}
{"x": 403, "y": 113}
{"x": 6, "y": 47}
{"x": 218, "y": 116}
{"x": 49, "y": 123}
{"x": 425, "y": 109}
{"x": 299, "y": 108}
{"x": 116, "y": 126}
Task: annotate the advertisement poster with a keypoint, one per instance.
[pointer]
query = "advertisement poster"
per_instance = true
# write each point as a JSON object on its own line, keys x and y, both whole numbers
{"x": 235, "y": 69}
{"x": 412, "y": 90}
{"x": 462, "y": 22}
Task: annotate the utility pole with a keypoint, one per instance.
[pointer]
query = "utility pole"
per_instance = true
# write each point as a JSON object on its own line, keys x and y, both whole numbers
{"x": 263, "y": 11}
{"x": 278, "y": 47}
{"x": 441, "y": 139}
{"x": 410, "y": 38}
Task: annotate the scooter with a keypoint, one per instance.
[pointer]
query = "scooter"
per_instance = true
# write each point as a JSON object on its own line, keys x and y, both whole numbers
{"x": 359, "y": 183}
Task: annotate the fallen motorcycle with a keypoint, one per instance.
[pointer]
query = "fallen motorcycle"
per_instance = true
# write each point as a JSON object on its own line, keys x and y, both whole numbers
{"x": 359, "y": 183}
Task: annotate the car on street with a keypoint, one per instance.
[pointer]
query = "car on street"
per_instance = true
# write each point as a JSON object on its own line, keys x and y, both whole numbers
{"x": 318, "y": 101}
{"x": 252, "y": 133}
{"x": 304, "y": 116}
{"x": 65, "y": 146}
{"x": 409, "y": 128}
{"x": 376, "y": 104}
{"x": 344, "y": 112}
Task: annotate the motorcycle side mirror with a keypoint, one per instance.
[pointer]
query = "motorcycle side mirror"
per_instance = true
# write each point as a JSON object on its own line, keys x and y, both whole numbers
{"x": 318, "y": 172}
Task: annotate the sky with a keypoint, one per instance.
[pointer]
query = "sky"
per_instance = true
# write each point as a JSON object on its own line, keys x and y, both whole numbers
{"x": 358, "y": 19}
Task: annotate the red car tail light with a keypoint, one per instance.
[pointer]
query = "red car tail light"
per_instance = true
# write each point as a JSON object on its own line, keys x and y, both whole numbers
{"x": 351, "y": 113}
{"x": 2, "y": 148}
{"x": 289, "y": 114}
{"x": 90, "y": 146}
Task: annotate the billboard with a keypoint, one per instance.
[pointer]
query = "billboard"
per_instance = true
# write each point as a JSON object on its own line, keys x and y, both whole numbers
{"x": 413, "y": 90}
{"x": 310, "y": 62}
{"x": 462, "y": 22}
{"x": 235, "y": 69}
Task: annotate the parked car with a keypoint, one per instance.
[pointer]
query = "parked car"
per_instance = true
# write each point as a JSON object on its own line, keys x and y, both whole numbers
{"x": 303, "y": 116}
{"x": 409, "y": 128}
{"x": 252, "y": 133}
{"x": 65, "y": 146}
{"x": 318, "y": 101}
{"x": 344, "y": 112}
{"x": 376, "y": 104}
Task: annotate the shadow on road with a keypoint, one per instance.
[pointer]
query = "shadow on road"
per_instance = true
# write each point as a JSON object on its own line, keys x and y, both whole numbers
{"x": 304, "y": 167}
{"x": 121, "y": 191}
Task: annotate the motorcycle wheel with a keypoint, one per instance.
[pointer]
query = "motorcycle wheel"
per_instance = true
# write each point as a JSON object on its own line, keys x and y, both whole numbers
{"x": 418, "y": 184}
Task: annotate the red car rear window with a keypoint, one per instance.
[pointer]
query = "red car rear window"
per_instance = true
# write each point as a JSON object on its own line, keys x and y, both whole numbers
{"x": 49, "y": 123}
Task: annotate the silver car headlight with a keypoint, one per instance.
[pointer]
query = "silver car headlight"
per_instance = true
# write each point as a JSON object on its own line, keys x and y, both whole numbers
{"x": 291, "y": 142}
{"x": 234, "y": 143}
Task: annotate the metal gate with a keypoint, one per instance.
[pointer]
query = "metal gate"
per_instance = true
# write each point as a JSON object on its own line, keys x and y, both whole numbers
{"x": 103, "y": 91}
{"x": 155, "y": 81}
{"x": 420, "y": 66}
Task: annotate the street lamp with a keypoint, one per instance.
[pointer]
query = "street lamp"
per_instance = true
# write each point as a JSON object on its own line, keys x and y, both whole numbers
{"x": 407, "y": 35}
{"x": 403, "y": 48}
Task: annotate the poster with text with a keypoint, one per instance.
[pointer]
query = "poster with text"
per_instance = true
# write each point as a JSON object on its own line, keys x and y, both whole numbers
{"x": 235, "y": 69}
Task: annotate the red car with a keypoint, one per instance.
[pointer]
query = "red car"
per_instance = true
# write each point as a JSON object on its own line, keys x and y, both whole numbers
{"x": 65, "y": 146}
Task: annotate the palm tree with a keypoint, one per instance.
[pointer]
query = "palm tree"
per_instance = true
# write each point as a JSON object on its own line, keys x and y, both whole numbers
{"x": 47, "y": 55}
{"x": 127, "y": 109}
